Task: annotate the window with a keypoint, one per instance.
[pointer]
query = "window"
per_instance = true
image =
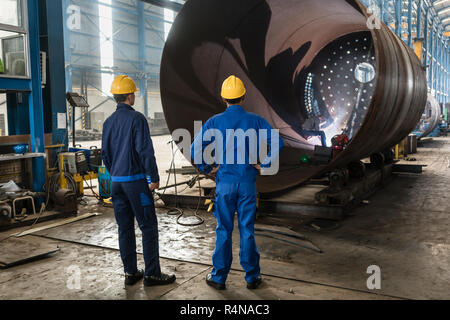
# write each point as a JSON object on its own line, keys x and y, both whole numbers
{"x": 13, "y": 40}
{"x": 11, "y": 13}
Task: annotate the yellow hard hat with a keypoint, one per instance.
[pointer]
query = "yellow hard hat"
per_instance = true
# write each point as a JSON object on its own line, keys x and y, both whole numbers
{"x": 233, "y": 88}
{"x": 123, "y": 85}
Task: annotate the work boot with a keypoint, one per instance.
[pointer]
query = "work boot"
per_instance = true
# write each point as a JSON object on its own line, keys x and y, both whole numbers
{"x": 131, "y": 279}
{"x": 163, "y": 279}
{"x": 254, "y": 284}
{"x": 215, "y": 285}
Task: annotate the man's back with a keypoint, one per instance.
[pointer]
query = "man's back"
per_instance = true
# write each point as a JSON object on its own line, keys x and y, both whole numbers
{"x": 127, "y": 148}
{"x": 243, "y": 134}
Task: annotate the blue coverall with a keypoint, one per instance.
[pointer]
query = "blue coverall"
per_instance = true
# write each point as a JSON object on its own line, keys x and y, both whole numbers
{"x": 127, "y": 152}
{"x": 235, "y": 191}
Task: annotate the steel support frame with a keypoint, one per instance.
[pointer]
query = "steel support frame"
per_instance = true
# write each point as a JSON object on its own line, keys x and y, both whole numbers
{"x": 143, "y": 24}
{"x": 425, "y": 21}
{"x": 142, "y": 56}
{"x": 35, "y": 103}
{"x": 55, "y": 37}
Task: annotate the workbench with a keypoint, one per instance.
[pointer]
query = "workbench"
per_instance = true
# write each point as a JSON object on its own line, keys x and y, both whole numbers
{"x": 13, "y": 156}
{"x": 22, "y": 158}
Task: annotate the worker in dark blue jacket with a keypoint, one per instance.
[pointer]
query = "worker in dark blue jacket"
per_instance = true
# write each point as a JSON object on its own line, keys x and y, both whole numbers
{"x": 128, "y": 154}
{"x": 232, "y": 141}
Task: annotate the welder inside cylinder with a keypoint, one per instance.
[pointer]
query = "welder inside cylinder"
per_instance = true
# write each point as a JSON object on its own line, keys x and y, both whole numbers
{"x": 338, "y": 88}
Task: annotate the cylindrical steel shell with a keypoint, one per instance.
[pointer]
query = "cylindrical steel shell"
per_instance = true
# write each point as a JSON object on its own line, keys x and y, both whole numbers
{"x": 308, "y": 66}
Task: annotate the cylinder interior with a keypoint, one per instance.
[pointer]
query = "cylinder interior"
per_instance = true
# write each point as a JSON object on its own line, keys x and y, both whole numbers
{"x": 336, "y": 89}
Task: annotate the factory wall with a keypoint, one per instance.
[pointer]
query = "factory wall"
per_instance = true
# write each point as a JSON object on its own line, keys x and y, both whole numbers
{"x": 136, "y": 33}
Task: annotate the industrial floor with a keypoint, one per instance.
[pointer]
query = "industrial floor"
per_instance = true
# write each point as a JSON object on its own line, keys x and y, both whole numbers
{"x": 404, "y": 229}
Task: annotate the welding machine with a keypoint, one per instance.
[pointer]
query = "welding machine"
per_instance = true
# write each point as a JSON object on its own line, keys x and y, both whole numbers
{"x": 94, "y": 157}
{"x": 75, "y": 162}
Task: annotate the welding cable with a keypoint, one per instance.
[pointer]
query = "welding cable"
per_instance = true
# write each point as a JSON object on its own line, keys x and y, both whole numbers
{"x": 91, "y": 187}
{"x": 175, "y": 211}
{"x": 54, "y": 185}
{"x": 200, "y": 219}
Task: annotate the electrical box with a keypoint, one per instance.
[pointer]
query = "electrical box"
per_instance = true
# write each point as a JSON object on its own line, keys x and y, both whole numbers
{"x": 75, "y": 162}
{"x": 95, "y": 159}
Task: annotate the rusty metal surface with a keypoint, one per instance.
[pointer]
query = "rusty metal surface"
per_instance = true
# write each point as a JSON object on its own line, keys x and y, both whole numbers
{"x": 307, "y": 67}
{"x": 430, "y": 118}
{"x": 15, "y": 251}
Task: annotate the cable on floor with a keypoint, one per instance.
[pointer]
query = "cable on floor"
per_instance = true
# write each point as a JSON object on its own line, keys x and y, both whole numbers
{"x": 176, "y": 211}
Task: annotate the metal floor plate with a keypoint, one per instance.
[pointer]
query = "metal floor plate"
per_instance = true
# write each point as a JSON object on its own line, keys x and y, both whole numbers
{"x": 15, "y": 251}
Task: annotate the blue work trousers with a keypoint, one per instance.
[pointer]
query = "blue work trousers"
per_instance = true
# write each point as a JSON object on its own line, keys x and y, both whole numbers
{"x": 130, "y": 200}
{"x": 231, "y": 198}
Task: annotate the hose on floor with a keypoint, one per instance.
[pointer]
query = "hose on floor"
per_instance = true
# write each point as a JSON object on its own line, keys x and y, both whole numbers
{"x": 176, "y": 211}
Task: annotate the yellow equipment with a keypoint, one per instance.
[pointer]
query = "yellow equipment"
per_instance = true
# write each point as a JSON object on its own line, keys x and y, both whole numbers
{"x": 123, "y": 85}
{"x": 78, "y": 178}
{"x": 211, "y": 205}
{"x": 233, "y": 88}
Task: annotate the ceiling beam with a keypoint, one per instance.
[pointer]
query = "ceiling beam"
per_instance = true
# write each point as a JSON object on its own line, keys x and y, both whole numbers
{"x": 167, "y": 4}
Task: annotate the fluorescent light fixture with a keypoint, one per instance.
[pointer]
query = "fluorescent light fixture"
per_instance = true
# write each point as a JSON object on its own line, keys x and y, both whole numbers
{"x": 106, "y": 43}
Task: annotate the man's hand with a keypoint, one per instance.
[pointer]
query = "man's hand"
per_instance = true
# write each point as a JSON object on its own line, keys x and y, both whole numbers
{"x": 257, "y": 167}
{"x": 154, "y": 186}
{"x": 213, "y": 172}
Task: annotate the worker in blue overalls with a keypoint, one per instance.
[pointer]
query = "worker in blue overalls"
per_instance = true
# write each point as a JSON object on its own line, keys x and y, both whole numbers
{"x": 128, "y": 154}
{"x": 235, "y": 181}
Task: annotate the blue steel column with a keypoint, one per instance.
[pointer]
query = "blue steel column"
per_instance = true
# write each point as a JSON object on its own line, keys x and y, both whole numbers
{"x": 434, "y": 55}
{"x": 410, "y": 39}
{"x": 441, "y": 66}
{"x": 430, "y": 71}
{"x": 447, "y": 68}
{"x": 67, "y": 57}
{"x": 55, "y": 27}
{"x": 444, "y": 73}
{"x": 398, "y": 18}
{"x": 35, "y": 98}
{"x": 435, "y": 65}
{"x": 67, "y": 51}
{"x": 142, "y": 55}
{"x": 419, "y": 19}
{"x": 446, "y": 76}
{"x": 425, "y": 43}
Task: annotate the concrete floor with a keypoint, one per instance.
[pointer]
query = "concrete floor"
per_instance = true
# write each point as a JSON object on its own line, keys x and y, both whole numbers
{"x": 405, "y": 230}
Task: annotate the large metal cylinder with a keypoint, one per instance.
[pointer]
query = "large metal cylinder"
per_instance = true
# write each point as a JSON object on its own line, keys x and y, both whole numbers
{"x": 430, "y": 119}
{"x": 309, "y": 67}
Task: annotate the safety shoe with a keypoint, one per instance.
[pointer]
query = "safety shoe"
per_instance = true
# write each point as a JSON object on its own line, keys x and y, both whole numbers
{"x": 131, "y": 279}
{"x": 163, "y": 279}
{"x": 254, "y": 284}
{"x": 215, "y": 285}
